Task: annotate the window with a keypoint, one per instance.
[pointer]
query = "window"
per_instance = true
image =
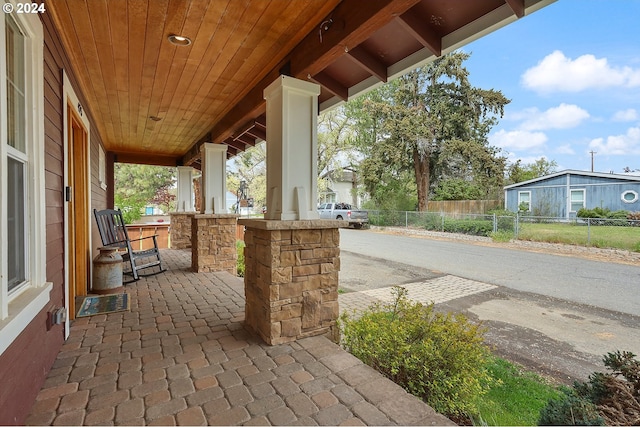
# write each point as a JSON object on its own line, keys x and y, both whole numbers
{"x": 22, "y": 201}
{"x": 524, "y": 201}
{"x": 629, "y": 196}
{"x": 577, "y": 200}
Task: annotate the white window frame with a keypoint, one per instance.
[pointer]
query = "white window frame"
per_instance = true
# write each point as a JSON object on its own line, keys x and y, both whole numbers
{"x": 520, "y": 193}
{"x": 624, "y": 193}
{"x": 20, "y": 307}
{"x": 584, "y": 198}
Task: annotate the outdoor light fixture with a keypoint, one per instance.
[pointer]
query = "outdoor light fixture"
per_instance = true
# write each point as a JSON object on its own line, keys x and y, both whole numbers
{"x": 179, "y": 40}
{"x": 155, "y": 118}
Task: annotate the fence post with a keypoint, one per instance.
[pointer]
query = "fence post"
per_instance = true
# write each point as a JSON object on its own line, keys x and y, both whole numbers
{"x": 442, "y": 221}
{"x": 588, "y": 231}
{"x": 516, "y": 225}
{"x": 495, "y": 223}
{"x": 406, "y": 219}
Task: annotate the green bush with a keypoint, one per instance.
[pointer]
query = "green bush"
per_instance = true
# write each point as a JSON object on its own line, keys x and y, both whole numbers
{"x": 570, "y": 410}
{"x": 603, "y": 213}
{"x": 240, "y": 249}
{"x": 440, "y": 358}
{"x": 476, "y": 227}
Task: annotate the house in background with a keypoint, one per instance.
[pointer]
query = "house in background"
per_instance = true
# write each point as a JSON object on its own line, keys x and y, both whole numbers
{"x": 343, "y": 188}
{"x": 562, "y": 194}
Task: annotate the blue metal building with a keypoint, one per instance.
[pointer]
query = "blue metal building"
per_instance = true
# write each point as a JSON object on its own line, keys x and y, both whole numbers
{"x": 562, "y": 194}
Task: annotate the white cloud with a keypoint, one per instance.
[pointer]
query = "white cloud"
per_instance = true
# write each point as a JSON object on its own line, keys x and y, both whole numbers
{"x": 628, "y": 115}
{"x": 518, "y": 140}
{"x": 620, "y": 145}
{"x": 564, "y": 149}
{"x": 556, "y": 72}
{"x": 564, "y": 116}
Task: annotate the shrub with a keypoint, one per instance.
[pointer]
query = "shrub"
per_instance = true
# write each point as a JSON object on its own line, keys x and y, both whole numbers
{"x": 570, "y": 410}
{"x": 476, "y": 227}
{"x": 604, "y": 213}
{"x": 240, "y": 249}
{"x": 614, "y": 396}
{"x": 440, "y": 358}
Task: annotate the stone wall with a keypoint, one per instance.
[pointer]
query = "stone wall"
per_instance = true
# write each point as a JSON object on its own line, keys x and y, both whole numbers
{"x": 291, "y": 278}
{"x": 180, "y": 229}
{"x": 213, "y": 243}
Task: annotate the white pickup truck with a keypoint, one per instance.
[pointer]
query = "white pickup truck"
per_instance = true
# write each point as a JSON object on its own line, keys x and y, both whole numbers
{"x": 345, "y": 212}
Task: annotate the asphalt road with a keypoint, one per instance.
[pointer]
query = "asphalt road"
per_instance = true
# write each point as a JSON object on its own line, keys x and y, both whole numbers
{"x": 605, "y": 285}
{"x": 557, "y": 315}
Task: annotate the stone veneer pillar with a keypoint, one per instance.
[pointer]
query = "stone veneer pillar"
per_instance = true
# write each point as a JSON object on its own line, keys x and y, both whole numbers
{"x": 180, "y": 229}
{"x": 291, "y": 278}
{"x": 213, "y": 243}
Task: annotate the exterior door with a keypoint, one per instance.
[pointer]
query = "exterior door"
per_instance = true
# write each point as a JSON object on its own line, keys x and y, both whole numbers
{"x": 77, "y": 194}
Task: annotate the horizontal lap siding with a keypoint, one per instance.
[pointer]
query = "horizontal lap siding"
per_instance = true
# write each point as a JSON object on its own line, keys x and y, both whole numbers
{"x": 25, "y": 364}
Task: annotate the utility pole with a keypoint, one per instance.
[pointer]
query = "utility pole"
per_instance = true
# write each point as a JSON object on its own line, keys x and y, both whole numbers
{"x": 592, "y": 153}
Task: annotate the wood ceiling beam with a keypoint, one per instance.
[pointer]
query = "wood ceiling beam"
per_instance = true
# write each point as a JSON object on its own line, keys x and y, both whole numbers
{"x": 517, "y": 6}
{"x": 369, "y": 62}
{"x": 145, "y": 159}
{"x": 415, "y": 26}
{"x": 246, "y": 140}
{"x": 352, "y": 24}
{"x": 332, "y": 85}
{"x": 258, "y": 133}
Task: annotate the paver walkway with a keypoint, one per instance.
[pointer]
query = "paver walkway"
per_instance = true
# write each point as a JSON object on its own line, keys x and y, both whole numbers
{"x": 181, "y": 356}
{"x": 437, "y": 290}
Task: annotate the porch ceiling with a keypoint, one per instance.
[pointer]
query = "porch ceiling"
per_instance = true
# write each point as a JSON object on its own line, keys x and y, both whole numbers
{"x": 211, "y": 90}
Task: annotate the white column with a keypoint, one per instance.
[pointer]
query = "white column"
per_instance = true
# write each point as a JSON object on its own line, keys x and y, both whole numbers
{"x": 185, "y": 198}
{"x": 292, "y": 146}
{"x": 214, "y": 178}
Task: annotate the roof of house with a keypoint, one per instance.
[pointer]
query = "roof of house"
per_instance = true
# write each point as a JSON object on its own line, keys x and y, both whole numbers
{"x": 626, "y": 177}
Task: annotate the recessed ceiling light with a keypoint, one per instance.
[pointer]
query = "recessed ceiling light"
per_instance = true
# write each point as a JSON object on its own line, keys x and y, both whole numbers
{"x": 179, "y": 40}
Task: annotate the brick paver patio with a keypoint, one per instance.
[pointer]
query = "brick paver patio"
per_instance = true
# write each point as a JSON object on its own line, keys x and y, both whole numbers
{"x": 181, "y": 356}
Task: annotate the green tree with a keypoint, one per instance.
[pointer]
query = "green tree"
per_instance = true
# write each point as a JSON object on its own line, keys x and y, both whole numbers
{"x": 139, "y": 185}
{"x": 251, "y": 167}
{"x": 434, "y": 122}
{"x": 517, "y": 172}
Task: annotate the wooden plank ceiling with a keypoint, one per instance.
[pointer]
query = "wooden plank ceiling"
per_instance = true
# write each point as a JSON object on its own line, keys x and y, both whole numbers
{"x": 155, "y": 102}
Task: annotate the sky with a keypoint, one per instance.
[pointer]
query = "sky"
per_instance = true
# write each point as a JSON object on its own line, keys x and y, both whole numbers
{"x": 572, "y": 73}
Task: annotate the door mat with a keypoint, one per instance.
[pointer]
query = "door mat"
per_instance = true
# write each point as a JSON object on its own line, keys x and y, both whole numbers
{"x": 104, "y": 304}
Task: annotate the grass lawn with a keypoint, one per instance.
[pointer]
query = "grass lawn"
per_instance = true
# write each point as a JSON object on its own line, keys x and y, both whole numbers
{"x": 600, "y": 236}
{"x": 516, "y": 398}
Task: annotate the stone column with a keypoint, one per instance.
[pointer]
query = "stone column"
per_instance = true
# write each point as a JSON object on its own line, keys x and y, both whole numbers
{"x": 214, "y": 178}
{"x": 213, "y": 246}
{"x": 291, "y": 278}
{"x": 180, "y": 230}
{"x": 292, "y": 147}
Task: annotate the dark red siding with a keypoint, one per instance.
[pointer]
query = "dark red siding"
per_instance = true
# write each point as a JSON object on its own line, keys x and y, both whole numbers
{"x": 25, "y": 364}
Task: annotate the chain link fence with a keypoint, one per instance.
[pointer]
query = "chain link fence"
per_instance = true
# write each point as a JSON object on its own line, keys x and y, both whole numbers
{"x": 599, "y": 232}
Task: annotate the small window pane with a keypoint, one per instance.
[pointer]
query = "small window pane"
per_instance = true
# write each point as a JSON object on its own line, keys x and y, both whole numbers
{"x": 16, "y": 224}
{"x": 15, "y": 85}
{"x": 577, "y": 200}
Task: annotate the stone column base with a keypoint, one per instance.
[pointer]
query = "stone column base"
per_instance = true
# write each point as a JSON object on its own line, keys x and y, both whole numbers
{"x": 180, "y": 229}
{"x": 291, "y": 278}
{"x": 213, "y": 243}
